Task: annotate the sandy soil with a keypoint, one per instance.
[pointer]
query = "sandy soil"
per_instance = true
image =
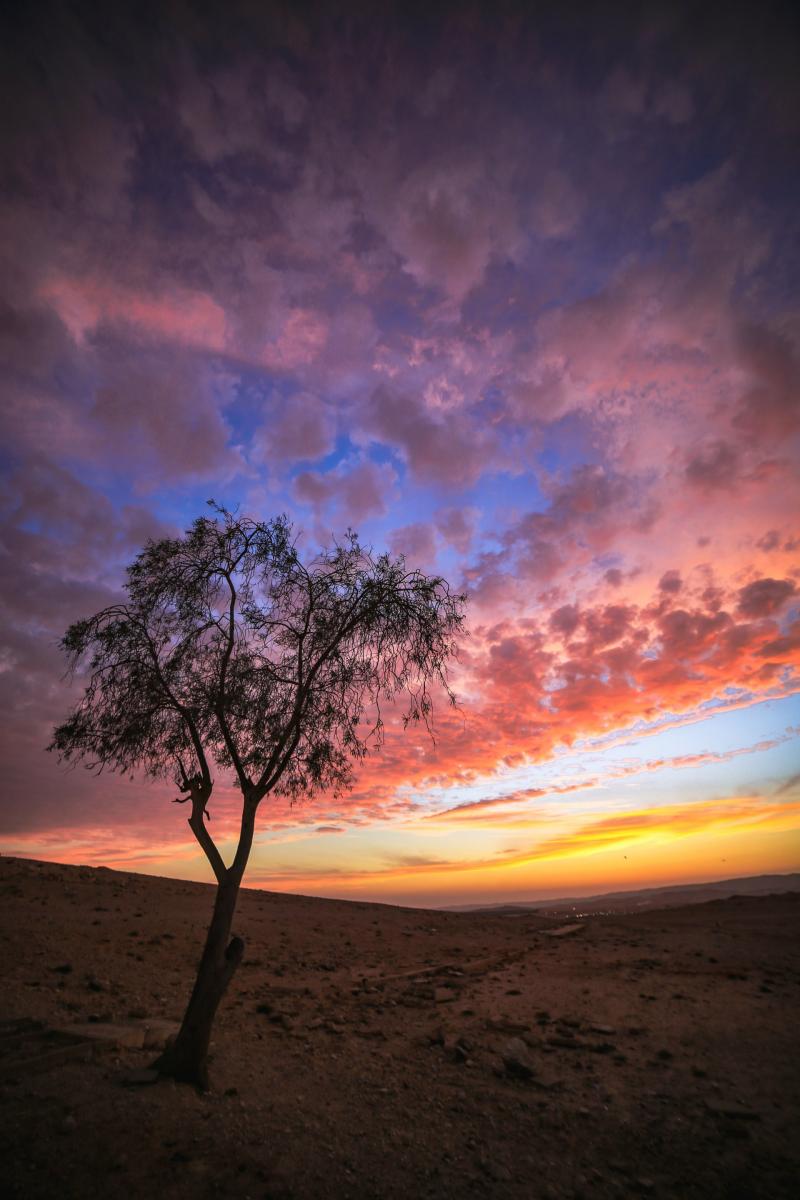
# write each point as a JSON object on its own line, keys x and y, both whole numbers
{"x": 368, "y": 1051}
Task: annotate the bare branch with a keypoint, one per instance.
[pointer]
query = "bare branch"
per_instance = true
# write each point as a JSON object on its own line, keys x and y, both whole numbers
{"x": 198, "y": 827}
{"x": 219, "y": 708}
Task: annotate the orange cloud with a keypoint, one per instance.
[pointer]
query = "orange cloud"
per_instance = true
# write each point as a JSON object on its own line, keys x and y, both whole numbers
{"x": 477, "y": 807}
{"x": 727, "y": 816}
{"x": 527, "y": 694}
{"x": 677, "y": 820}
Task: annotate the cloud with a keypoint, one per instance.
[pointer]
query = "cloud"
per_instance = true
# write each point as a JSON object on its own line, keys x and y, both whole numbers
{"x": 416, "y": 542}
{"x": 354, "y": 493}
{"x": 187, "y": 317}
{"x": 587, "y": 515}
{"x": 457, "y": 527}
{"x": 299, "y": 427}
{"x": 764, "y": 597}
{"x": 444, "y": 217}
{"x": 670, "y": 821}
{"x": 443, "y": 450}
{"x": 770, "y": 406}
{"x": 557, "y": 207}
{"x": 670, "y": 582}
{"x": 622, "y": 830}
{"x": 300, "y": 341}
{"x": 493, "y": 809}
{"x": 606, "y": 626}
{"x": 471, "y": 808}
{"x": 565, "y": 620}
{"x": 714, "y": 466}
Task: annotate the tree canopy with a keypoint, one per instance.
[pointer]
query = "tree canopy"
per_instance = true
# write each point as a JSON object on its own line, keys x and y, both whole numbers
{"x": 230, "y": 650}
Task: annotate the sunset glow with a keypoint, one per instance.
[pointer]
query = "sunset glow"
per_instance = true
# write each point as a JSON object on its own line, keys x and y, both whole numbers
{"x": 515, "y": 303}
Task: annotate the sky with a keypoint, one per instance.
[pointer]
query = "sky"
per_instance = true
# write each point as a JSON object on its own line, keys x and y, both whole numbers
{"x": 511, "y": 290}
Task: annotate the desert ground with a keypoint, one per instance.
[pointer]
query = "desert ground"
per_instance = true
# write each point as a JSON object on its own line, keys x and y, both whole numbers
{"x": 370, "y": 1051}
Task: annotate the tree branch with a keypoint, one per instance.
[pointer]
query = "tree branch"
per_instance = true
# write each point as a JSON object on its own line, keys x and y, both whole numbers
{"x": 278, "y": 760}
{"x": 219, "y": 708}
{"x": 200, "y": 798}
{"x": 179, "y": 707}
{"x": 246, "y": 831}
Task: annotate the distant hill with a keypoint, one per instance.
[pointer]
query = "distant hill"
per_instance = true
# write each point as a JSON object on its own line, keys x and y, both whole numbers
{"x": 646, "y": 898}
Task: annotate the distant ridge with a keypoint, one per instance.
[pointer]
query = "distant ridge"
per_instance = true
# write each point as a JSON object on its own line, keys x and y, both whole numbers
{"x": 645, "y": 898}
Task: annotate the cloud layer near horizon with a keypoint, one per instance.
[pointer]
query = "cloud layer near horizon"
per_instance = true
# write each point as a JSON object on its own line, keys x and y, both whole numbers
{"x": 512, "y": 296}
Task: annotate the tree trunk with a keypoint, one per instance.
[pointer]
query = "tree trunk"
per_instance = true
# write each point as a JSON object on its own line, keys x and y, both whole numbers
{"x": 187, "y": 1058}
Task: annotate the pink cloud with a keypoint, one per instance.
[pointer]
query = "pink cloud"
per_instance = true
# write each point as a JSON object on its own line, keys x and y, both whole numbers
{"x": 670, "y": 582}
{"x": 715, "y": 465}
{"x": 301, "y": 340}
{"x": 764, "y": 597}
{"x": 416, "y": 542}
{"x": 354, "y": 493}
{"x": 299, "y": 427}
{"x": 191, "y": 318}
{"x": 457, "y": 527}
{"x": 445, "y": 449}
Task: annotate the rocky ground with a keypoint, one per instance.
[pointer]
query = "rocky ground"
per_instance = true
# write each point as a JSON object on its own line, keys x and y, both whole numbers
{"x": 366, "y": 1051}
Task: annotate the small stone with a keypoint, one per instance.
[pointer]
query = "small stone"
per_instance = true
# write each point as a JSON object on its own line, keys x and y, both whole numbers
{"x": 143, "y": 1077}
{"x": 567, "y": 1041}
{"x": 127, "y": 1037}
{"x": 731, "y": 1110}
{"x": 503, "y": 1025}
{"x": 499, "y": 1172}
{"x": 517, "y": 1059}
{"x": 159, "y": 1034}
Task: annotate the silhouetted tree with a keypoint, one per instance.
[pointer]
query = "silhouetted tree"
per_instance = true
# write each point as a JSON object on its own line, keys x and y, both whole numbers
{"x": 232, "y": 653}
